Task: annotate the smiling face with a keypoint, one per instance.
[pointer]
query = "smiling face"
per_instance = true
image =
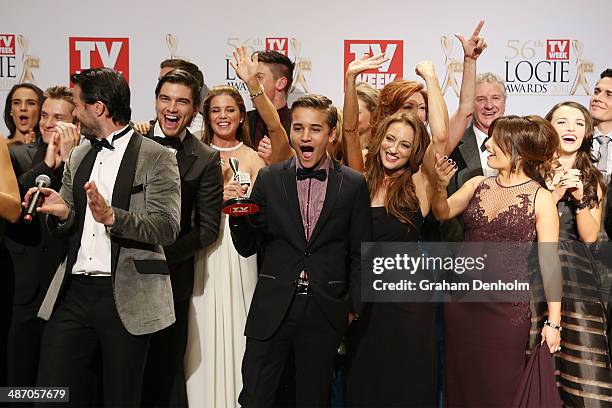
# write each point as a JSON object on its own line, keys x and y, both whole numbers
{"x": 489, "y": 104}
{"x": 601, "y": 102}
{"x": 415, "y": 104}
{"x": 174, "y": 107}
{"x": 497, "y": 158}
{"x": 310, "y": 135}
{"x": 396, "y": 146}
{"x": 53, "y": 111}
{"x": 25, "y": 109}
{"x": 570, "y": 125}
{"x": 225, "y": 116}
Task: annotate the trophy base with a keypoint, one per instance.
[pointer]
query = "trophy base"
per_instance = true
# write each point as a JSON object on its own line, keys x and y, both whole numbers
{"x": 239, "y": 207}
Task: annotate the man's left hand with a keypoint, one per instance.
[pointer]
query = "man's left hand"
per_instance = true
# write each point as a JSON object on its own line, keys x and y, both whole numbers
{"x": 100, "y": 210}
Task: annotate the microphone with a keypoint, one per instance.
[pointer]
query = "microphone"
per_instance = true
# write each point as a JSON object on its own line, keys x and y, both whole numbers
{"x": 41, "y": 181}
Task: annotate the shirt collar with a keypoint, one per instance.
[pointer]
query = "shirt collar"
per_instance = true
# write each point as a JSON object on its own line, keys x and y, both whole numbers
{"x": 325, "y": 164}
{"x": 157, "y": 131}
{"x": 480, "y": 135}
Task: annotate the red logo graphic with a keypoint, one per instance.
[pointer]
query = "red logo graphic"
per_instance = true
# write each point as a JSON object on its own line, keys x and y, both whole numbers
{"x": 278, "y": 44}
{"x": 557, "y": 49}
{"x": 7, "y": 44}
{"x": 389, "y": 72}
{"x": 94, "y": 52}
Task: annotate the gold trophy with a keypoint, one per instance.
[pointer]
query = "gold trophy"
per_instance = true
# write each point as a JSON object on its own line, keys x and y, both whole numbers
{"x": 582, "y": 67}
{"x": 29, "y": 61}
{"x": 240, "y": 206}
{"x": 453, "y": 66}
{"x": 301, "y": 65}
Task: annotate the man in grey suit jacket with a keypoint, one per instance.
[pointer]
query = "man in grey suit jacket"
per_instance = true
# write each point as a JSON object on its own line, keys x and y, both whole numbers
{"x": 119, "y": 203}
{"x": 470, "y": 155}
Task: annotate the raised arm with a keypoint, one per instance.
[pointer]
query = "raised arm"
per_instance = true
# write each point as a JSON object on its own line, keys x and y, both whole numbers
{"x": 9, "y": 191}
{"x": 350, "y": 111}
{"x": 472, "y": 48}
{"x": 246, "y": 69}
{"x": 437, "y": 115}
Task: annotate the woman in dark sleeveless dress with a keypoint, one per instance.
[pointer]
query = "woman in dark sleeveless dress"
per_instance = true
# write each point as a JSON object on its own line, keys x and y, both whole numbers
{"x": 391, "y": 347}
{"x": 10, "y": 202}
{"x": 585, "y": 374}
{"x": 486, "y": 342}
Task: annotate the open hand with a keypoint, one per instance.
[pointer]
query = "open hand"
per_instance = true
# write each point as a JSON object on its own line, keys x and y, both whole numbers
{"x": 142, "y": 127}
{"x": 52, "y": 156}
{"x": 443, "y": 171}
{"x": 365, "y": 63}
{"x": 68, "y": 138}
{"x": 244, "y": 65}
{"x": 100, "y": 210}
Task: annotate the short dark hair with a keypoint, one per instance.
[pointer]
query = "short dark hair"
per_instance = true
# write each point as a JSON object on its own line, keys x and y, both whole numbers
{"x": 280, "y": 65}
{"x": 318, "y": 102}
{"x": 109, "y": 87}
{"x": 179, "y": 76}
{"x": 607, "y": 73}
{"x": 178, "y": 63}
{"x": 8, "y": 118}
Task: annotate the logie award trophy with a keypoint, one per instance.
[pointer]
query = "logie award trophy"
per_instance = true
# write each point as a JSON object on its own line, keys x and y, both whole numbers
{"x": 240, "y": 206}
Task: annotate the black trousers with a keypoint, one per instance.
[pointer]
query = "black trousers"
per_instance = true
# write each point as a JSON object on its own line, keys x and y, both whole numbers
{"x": 25, "y": 334}
{"x": 314, "y": 341}
{"x": 164, "y": 379}
{"x": 85, "y": 329}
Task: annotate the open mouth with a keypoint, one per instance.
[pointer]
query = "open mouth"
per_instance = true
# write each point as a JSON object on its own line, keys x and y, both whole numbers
{"x": 223, "y": 125}
{"x": 569, "y": 138}
{"x": 307, "y": 152}
{"x": 171, "y": 121}
{"x": 24, "y": 119}
{"x": 391, "y": 157}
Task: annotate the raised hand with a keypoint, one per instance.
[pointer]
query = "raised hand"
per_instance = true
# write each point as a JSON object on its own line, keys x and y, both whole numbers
{"x": 244, "y": 65}
{"x": 68, "y": 138}
{"x": 475, "y": 45}
{"x": 264, "y": 149}
{"x": 426, "y": 70}
{"x": 365, "y": 63}
{"x": 443, "y": 171}
{"x": 52, "y": 156}
{"x": 100, "y": 210}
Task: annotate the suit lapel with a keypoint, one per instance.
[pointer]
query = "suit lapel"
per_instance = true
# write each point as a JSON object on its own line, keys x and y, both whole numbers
{"x": 471, "y": 151}
{"x": 290, "y": 190}
{"x": 122, "y": 190}
{"x": 334, "y": 184}
{"x": 186, "y": 156}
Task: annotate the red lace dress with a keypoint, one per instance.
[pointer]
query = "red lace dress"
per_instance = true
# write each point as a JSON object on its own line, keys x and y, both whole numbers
{"x": 485, "y": 343}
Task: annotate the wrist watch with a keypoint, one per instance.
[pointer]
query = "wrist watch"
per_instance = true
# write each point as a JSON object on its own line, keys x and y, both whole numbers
{"x": 108, "y": 228}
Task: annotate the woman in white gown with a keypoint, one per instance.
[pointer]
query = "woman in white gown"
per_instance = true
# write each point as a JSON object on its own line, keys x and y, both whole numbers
{"x": 225, "y": 281}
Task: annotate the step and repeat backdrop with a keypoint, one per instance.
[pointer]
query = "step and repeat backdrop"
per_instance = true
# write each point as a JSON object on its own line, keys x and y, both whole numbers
{"x": 547, "y": 51}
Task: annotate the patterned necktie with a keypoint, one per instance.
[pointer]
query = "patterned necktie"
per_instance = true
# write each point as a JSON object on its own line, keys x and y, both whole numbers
{"x": 604, "y": 141}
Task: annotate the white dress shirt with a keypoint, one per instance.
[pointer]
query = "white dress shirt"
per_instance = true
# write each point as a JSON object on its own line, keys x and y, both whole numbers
{"x": 480, "y": 138}
{"x": 94, "y": 256}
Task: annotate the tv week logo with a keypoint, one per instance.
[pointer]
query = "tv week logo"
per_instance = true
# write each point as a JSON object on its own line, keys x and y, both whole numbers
{"x": 7, "y": 44}
{"x": 94, "y": 52}
{"x": 278, "y": 44}
{"x": 557, "y": 50}
{"x": 389, "y": 72}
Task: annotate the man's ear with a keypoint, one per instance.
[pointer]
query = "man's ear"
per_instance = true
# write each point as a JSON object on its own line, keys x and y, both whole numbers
{"x": 332, "y": 135}
{"x": 99, "y": 108}
{"x": 281, "y": 84}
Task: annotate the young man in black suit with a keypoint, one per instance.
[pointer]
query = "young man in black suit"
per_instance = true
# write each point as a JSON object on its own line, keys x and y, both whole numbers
{"x": 314, "y": 216}
{"x": 177, "y": 98}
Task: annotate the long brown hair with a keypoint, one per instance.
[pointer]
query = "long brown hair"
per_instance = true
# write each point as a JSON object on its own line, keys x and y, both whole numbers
{"x": 530, "y": 139}
{"x": 392, "y": 97}
{"x": 401, "y": 199}
{"x": 585, "y": 159}
{"x": 242, "y": 133}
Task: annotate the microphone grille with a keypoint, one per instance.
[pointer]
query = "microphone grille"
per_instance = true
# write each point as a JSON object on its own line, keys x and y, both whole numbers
{"x": 43, "y": 180}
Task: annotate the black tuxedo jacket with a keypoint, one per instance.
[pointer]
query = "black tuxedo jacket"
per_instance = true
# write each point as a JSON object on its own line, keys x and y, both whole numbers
{"x": 332, "y": 256}
{"x": 35, "y": 253}
{"x": 201, "y": 200}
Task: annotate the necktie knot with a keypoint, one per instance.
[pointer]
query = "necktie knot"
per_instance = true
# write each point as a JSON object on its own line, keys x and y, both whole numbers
{"x": 303, "y": 174}
{"x": 603, "y": 139}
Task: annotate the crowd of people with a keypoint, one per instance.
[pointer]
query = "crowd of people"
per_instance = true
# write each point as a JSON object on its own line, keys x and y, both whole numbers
{"x": 134, "y": 284}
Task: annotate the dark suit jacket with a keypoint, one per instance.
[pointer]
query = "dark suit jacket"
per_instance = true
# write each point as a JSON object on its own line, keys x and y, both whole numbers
{"x": 35, "y": 253}
{"x": 467, "y": 157}
{"x": 332, "y": 256}
{"x": 201, "y": 200}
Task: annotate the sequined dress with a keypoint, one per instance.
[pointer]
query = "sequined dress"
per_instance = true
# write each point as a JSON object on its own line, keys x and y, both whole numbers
{"x": 485, "y": 343}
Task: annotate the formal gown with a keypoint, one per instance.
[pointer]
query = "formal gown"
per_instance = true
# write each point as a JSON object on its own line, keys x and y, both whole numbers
{"x": 486, "y": 343}
{"x": 391, "y": 347}
{"x": 583, "y": 365}
{"x": 223, "y": 288}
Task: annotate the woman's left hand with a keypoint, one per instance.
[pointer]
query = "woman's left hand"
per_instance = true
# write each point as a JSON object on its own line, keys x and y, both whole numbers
{"x": 245, "y": 65}
{"x": 552, "y": 337}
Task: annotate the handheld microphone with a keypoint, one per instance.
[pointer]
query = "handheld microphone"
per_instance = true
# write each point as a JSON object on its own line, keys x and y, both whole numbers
{"x": 41, "y": 181}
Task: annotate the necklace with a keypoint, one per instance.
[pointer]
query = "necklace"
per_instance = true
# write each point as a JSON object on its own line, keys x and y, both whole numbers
{"x": 227, "y": 149}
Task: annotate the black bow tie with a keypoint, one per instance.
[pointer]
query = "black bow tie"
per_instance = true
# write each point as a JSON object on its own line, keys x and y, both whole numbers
{"x": 303, "y": 174}
{"x": 99, "y": 144}
{"x": 173, "y": 142}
